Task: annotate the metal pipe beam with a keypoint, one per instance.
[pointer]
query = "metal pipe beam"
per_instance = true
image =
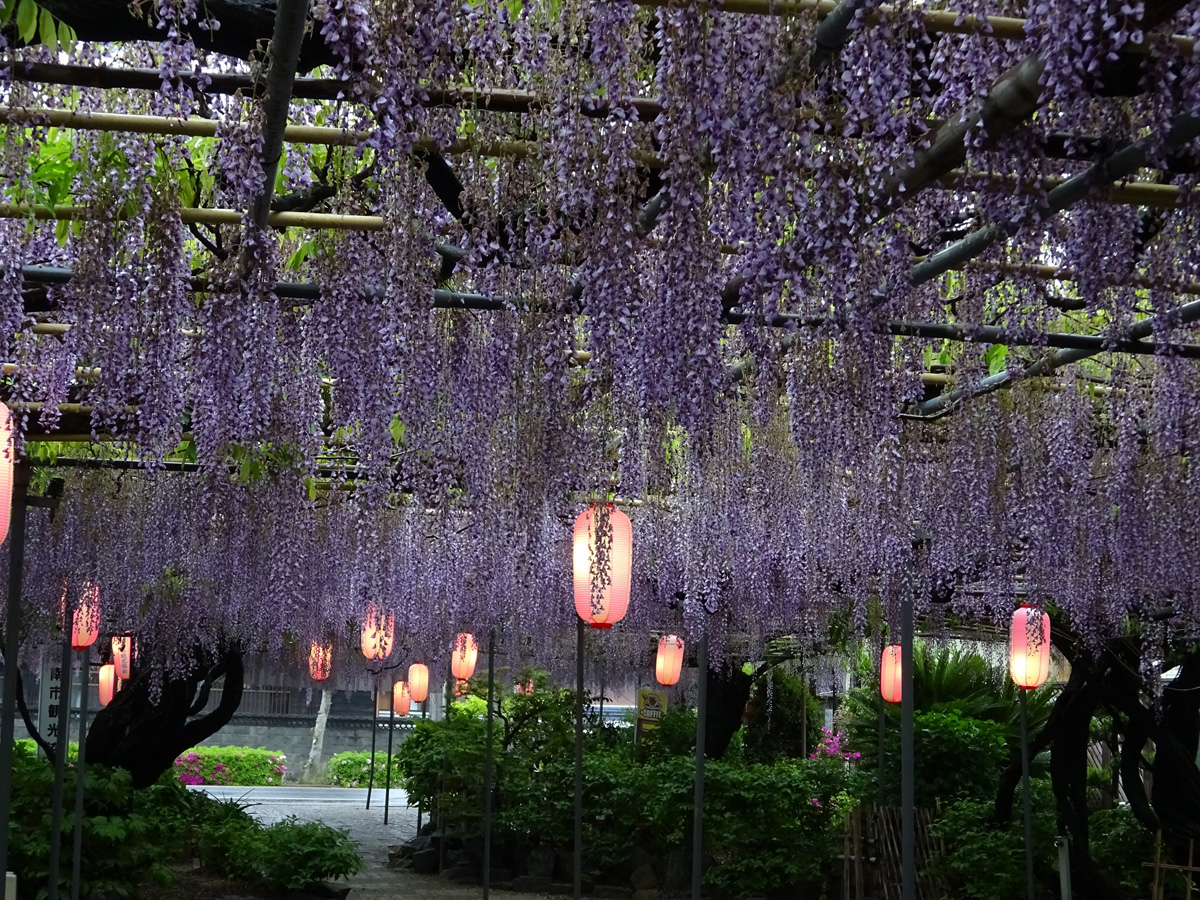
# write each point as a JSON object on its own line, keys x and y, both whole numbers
{"x": 12, "y": 647}
{"x": 698, "y": 786}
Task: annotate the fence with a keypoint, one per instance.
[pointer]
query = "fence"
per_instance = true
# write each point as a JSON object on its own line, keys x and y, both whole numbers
{"x": 871, "y": 854}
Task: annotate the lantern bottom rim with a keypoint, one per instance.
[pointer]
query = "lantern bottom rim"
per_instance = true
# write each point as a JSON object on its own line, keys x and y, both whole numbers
{"x": 604, "y": 625}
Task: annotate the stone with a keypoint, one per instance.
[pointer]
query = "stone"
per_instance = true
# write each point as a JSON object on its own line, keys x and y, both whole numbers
{"x": 640, "y": 856}
{"x": 425, "y": 862}
{"x": 610, "y": 892}
{"x": 643, "y": 878}
{"x": 679, "y": 871}
{"x": 329, "y": 891}
{"x": 462, "y": 874}
{"x": 399, "y": 851}
{"x": 501, "y": 875}
{"x": 651, "y": 894}
{"x": 531, "y": 884}
{"x": 540, "y": 863}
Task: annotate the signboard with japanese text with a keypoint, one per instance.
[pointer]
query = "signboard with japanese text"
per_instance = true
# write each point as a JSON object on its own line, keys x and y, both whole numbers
{"x": 51, "y": 697}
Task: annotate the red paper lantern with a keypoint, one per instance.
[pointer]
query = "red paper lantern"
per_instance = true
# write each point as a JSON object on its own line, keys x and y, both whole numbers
{"x": 462, "y": 660}
{"x": 889, "y": 674}
{"x": 669, "y": 661}
{"x": 377, "y": 635}
{"x": 526, "y": 688}
{"x": 611, "y": 599}
{"x": 418, "y": 682}
{"x": 122, "y": 654}
{"x": 401, "y": 699}
{"x": 320, "y": 661}
{"x": 1029, "y": 647}
{"x": 108, "y": 680}
{"x": 8, "y": 458}
{"x": 85, "y": 623}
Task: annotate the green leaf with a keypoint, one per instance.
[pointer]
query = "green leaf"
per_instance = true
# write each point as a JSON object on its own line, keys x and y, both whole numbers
{"x": 27, "y": 17}
{"x": 62, "y": 231}
{"x": 66, "y": 36}
{"x": 48, "y": 32}
{"x": 7, "y": 8}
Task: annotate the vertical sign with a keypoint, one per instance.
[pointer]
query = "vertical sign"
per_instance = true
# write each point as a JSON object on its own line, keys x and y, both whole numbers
{"x": 50, "y": 697}
{"x": 651, "y": 706}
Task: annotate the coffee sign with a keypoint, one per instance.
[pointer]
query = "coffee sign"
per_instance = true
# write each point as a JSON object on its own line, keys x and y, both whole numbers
{"x": 650, "y": 708}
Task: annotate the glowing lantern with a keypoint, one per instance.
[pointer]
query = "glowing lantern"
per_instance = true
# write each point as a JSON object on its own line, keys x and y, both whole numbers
{"x": 526, "y": 688}
{"x": 1029, "y": 647}
{"x": 377, "y": 635}
{"x": 418, "y": 682}
{"x": 605, "y": 605}
{"x": 320, "y": 660}
{"x": 85, "y": 623}
{"x": 122, "y": 654}
{"x": 669, "y": 661}
{"x": 462, "y": 660}
{"x": 401, "y": 699}
{"x": 108, "y": 679}
{"x": 889, "y": 674}
{"x": 7, "y": 461}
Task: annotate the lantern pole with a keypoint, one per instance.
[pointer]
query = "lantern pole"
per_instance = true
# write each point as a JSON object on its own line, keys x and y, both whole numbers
{"x": 374, "y": 726}
{"x": 387, "y": 790}
{"x": 1029, "y": 885}
{"x": 879, "y": 795}
{"x": 424, "y": 708}
{"x": 908, "y": 831}
{"x": 80, "y": 771}
{"x": 698, "y": 801}
{"x": 12, "y": 646}
{"x": 487, "y": 768}
{"x": 60, "y": 764}
{"x": 579, "y": 649}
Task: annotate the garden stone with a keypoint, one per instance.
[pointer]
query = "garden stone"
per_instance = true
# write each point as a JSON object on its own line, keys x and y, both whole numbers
{"x": 531, "y": 884}
{"x": 541, "y": 863}
{"x": 643, "y": 878}
{"x": 425, "y": 862}
{"x": 462, "y": 874}
{"x": 679, "y": 871}
{"x": 610, "y": 892}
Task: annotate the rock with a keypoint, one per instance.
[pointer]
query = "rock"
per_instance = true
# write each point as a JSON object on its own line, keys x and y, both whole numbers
{"x": 399, "y": 851}
{"x": 425, "y": 862}
{"x": 610, "y": 892}
{"x": 428, "y": 828}
{"x": 531, "y": 884}
{"x": 329, "y": 891}
{"x": 400, "y": 863}
{"x": 499, "y": 875}
{"x": 639, "y": 856}
{"x": 643, "y": 878}
{"x": 463, "y": 874}
{"x": 540, "y": 863}
{"x": 679, "y": 871}
{"x": 651, "y": 894}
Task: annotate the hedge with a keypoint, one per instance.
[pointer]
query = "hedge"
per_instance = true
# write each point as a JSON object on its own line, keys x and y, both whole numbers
{"x": 353, "y": 769}
{"x": 242, "y": 766}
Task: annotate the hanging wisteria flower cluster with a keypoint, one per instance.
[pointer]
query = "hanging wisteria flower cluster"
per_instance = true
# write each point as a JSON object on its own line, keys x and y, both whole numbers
{"x": 789, "y": 288}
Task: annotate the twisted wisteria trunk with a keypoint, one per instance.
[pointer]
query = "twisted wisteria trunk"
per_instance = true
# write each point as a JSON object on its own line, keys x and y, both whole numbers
{"x": 151, "y": 721}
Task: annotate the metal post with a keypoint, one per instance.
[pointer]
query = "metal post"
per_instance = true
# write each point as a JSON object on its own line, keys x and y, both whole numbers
{"x": 85, "y": 669}
{"x": 12, "y": 646}
{"x": 424, "y": 709}
{"x": 374, "y": 726}
{"x": 60, "y": 766}
{"x": 908, "y": 867}
{"x": 487, "y": 768}
{"x": 1025, "y": 787}
{"x": 387, "y": 783}
{"x": 579, "y": 649}
{"x": 879, "y": 795}
{"x": 602, "y": 696}
{"x": 1064, "y": 867}
{"x": 698, "y": 801}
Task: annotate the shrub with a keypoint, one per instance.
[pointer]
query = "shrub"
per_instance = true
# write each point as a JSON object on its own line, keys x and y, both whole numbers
{"x": 353, "y": 769}
{"x": 242, "y": 766}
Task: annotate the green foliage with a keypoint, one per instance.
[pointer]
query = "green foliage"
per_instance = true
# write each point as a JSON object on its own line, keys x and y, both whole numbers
{"x": 1120, "y": 845}
{"x": 985, "y": 860}
{"x": 130, "y": 835}
{"x": 248, "y": 766}
{"x": 353, "y": 769}
{"x": 772, "y": 826}
{"x": 783, "y": 719}
{"x": 964, "y": 707}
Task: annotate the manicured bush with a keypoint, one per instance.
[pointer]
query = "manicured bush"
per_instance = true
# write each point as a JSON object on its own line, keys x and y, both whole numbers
{"x": 242, "y": 766}
{"x": 131, "y": 835}
{"x": 353, "y": 769}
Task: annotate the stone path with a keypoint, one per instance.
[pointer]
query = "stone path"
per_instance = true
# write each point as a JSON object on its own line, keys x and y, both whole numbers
{"x": 366, "y": 826}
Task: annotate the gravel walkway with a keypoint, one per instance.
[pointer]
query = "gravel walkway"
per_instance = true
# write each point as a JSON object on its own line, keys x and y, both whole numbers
{"x": 366, "y": 826}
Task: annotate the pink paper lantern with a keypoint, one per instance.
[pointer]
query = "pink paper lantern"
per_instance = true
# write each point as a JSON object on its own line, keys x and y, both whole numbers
{"x": 606, "y": 605}
{"x": 890, "y": 674}
{"x": 320, "y": 661}
{"x": 122, "y": 654}
{"x": 377, "y": 635}
{"x": 418, "y": 682}
{"x": 669, "y": 662}
{"x": 462, "y": 660}
{"x": 85, "y": 622}
{"x": 401, "y": 699}
{"x": 1029, "y": 648}
{"x": 108, "y": 680}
